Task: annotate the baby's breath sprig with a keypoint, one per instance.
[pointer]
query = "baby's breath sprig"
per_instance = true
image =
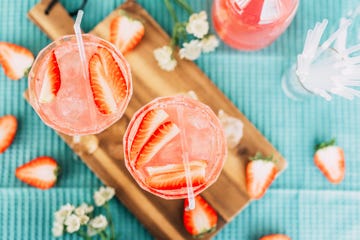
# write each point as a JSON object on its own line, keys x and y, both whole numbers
{"x": 193, "y": 35}
{"x": 81, "y": 220}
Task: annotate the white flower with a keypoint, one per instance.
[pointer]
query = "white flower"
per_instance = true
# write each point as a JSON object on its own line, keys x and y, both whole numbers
{"x": 84, "y": 219}
{"x": 191, "y": 50}
{"x": 164, "y": 58}
{"x": 209, "y": 43}
{"x": 72, "y": 223}
{"x": 83, "y": 209}
{"x": 198, "y": 24}
{"x": 63, "y": 212}
{"x": 98, "y": 223}
{"x": 91, "y": 232}
{"x": 57, "y": 229}
{"x": 103, "y": 195}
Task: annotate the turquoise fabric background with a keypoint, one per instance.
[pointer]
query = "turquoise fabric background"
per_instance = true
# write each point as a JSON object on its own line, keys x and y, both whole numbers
{"x": 300, "y": 203}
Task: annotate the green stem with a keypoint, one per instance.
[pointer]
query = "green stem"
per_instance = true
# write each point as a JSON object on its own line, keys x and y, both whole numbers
{"x": 185, "y": 5}
{"x": 111, "y": 224}
{"x": 102, "y": 235}
{"x": 171, "y": 10}
{"x": 83, "y": 235}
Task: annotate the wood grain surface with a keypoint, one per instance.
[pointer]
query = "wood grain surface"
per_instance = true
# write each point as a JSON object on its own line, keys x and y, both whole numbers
{"x": 163, "y": 218}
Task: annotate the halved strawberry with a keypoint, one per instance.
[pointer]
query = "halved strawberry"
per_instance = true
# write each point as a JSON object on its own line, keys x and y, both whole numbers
{"x": 172, "y": 176}
{"x": 260, "y": 173}
{"x": 148, "y": 125}
{"x": 107, "y": 82}
{"x": 52, "y": 81}
{"x": 275, "y": 237}
{"x": 170, "y": 168}
{"x": 8, "y": 127}
{"x": 329, "y": 158}
{"x": 126, "y": 32}
{"x": 40, "y": 172}
{"x": 15, "y": 60}
{"x": 162, "y": 135}
{"x": 201, "y": 220}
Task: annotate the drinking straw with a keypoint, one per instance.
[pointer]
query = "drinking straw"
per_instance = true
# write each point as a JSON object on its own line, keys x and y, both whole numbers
{"x": 83, "y": 60}
{"x": 185, "y": 157}
{"x": 80, "y": 42}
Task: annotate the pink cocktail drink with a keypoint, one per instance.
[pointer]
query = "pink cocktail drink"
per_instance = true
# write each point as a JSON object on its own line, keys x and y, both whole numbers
{"x": 171, "y": 138}
{"x": 74, "y": 101}
{"x": 252, "y": 24}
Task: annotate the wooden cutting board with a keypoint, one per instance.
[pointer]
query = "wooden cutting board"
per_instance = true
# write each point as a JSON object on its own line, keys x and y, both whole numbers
{"x": 163, "y": 218}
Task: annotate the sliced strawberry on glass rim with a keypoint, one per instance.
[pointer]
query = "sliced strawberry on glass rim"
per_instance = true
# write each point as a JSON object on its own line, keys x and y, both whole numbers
{"x": 107, "y": 81}
{"x": 51, "y": 82}
{"x": 40, "y": 172}
{"x": 201, "y": 220}
{"x": 15, "y": 60}
{"x": 150, "y": 122}
{"x": 162, "y": 135}
{"x": 126, "y": 32}
{"x": 8, "y": 127}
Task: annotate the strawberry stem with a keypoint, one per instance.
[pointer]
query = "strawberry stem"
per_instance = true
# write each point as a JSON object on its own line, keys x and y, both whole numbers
{"x": 184, "y": 4}
{"x": 260, "y": 156}
{"x": 331, "y": 142}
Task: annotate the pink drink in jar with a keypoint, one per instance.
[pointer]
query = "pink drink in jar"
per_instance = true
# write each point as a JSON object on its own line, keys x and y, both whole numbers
{"x": 77, "y": 102}
{"x": 169, "y": 138}
{"x": 252, "y": 24}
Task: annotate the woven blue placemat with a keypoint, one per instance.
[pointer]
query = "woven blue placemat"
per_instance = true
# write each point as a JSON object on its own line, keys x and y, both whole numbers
{"x": 300, "y": 203}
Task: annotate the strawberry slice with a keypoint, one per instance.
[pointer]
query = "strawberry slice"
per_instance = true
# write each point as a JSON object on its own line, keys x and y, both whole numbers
{"x": 15, "y": 60}
{"x": 260, "y": 173}
{"x": 149, "y": 124}
{"x": 162, "y": 135}
{"x": 275, "y": 237}
{"x": 170, "y": 168}
{"x": 40, "y": 172}
{"x": 329, "y": 158}
{"x": 51, "y": 83}
{"x": 126, "y": 33}
{"x": 172, "y": 176}
{"x": 8, "y": 127}
{"x": 201, "y": 220}
{"x": 107, "y": 82}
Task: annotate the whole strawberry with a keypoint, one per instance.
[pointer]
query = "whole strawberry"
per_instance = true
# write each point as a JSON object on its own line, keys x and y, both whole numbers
{"x": 329, "y": 158}
{"x": 260, "y": 173}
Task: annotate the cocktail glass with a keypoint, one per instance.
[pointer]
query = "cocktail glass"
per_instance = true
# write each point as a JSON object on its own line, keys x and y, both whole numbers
{"x": 175, "y": 147}
{"x": 83, "y": 102}
{"x": 252, "y": 24}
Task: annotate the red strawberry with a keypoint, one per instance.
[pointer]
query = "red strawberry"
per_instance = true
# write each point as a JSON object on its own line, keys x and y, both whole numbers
{"x": 172, "y": 176}
{"x": 15, "y": 60}
{"x": 107, "y": 81}
{"x": 126, "y": 33}
{"x": 330, "y": 160}
{"x": 40, "y": 172}
{"x": 260, "y": 172}
{"x": 201, "y": 220}
{"x": 51, "y": 82}
{"x": 275, "y": 237}
{"x": 149, "y": 124}
{"x": 162, "y": 135}
{"x": 8, "y": 127}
